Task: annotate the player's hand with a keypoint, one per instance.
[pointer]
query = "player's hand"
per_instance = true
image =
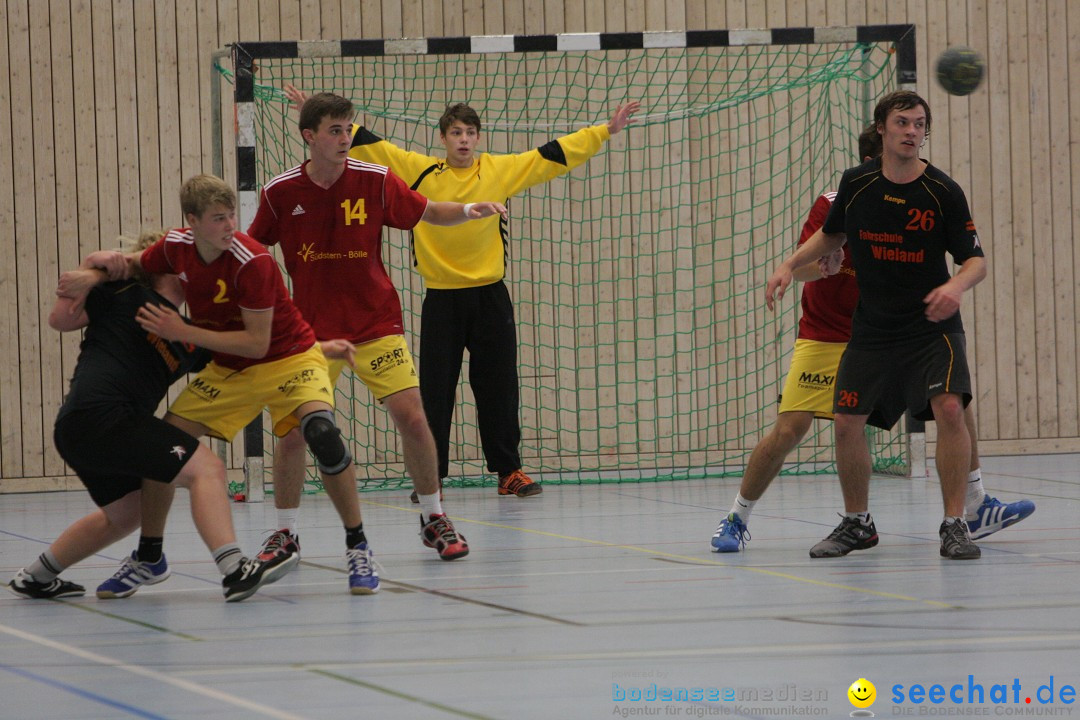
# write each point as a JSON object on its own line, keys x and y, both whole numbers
{"x": 297, "y": 96}
{"x": 76, "y": 285}
{"x": 622, "y": 116}
{"x": 162, "y": 321}
{"x": 487, "y": 209}
{"x": 830, "y": 264}
{"x": 339, "y": 349}
{"x": 942, "y": 303}
{"x": 778, "y": 283}
{"x": 113, "y": 263}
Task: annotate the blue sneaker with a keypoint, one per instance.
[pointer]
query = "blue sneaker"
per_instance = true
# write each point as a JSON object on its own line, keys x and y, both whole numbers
{"x": 363, "y": 570}
{"x": 993, "y": 515}
{"x": 132, "y": 575}
{"x": 731, "y": 535}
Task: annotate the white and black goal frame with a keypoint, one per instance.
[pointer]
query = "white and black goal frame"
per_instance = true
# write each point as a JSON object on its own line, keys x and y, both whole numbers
{"x": 245, "y": 57}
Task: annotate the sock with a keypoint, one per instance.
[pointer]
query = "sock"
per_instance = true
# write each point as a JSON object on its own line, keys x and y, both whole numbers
{"x": 743, "y": 507}
{"x": 975, "y": 492}
{"x": 228, "y": 558}
{"x": 46, "y": 568}
{"x": 355, "y": 536}
{"x": 286, "y": 519}
{"x": 863, "y": 517}
{"x": 430, "y": 504}
{"x": 949, "y": 519}
{"x": 150, "y": 549}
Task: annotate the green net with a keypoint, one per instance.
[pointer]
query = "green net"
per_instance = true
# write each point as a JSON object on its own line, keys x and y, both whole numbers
{"x": 645, "y": 348}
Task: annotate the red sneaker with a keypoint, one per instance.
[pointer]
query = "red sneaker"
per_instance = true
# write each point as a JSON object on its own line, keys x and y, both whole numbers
{"x": 518, "y": 483}
{"x": 439, "y": 533}
{"x": 279, "y": 544}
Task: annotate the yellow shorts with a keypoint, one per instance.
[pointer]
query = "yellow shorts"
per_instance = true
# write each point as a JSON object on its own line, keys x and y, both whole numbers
{"x": 226, "y": 400}
{"x": 811, "y": 379}
{"x": 384, "y": 365}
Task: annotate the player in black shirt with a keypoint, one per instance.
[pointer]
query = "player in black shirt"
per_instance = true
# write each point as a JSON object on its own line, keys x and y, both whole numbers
{"x": 900, "y": 215}
{"x": 107, "y": 432}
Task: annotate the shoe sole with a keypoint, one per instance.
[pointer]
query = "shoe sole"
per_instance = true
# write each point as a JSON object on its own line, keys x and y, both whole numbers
{"x": 870, "y": 543}
{"x": 527, "y": 492}
{"x": 271, "y": 575}
{"x": 969, "y": 556}
{"x": 454, "y": 556}
{"x": 72, "y": 593}
{"x": 364, "y": 590}
{"x": 108, "y": 595}
{"x": 725, "y": 550}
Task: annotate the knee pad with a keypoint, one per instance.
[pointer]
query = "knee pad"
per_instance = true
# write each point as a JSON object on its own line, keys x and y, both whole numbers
{"x": 324, "y": 439}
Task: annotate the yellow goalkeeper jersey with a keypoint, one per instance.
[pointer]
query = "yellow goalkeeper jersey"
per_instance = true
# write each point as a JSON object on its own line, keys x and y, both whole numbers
{"x": 473, "y": 254}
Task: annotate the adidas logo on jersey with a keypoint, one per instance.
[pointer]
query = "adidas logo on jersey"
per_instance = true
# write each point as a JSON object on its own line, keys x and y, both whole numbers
{"x": 298, "y": 210}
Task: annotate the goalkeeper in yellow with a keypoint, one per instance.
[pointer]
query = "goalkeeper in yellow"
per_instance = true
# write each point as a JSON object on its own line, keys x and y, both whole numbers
{"x": 467, "y": 305}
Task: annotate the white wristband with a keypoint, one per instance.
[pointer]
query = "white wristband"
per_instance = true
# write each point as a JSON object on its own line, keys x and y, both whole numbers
{"x": 467, "y": 208}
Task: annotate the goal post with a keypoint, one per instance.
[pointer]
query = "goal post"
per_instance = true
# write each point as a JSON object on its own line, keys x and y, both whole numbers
{"x": 645, "y": 350}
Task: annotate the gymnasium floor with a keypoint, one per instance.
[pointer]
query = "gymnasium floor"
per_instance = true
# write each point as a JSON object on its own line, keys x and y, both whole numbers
{"x": 574, "y": 604}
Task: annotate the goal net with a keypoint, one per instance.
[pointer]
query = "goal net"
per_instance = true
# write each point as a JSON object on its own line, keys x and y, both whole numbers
{"x": 645, "y": 348}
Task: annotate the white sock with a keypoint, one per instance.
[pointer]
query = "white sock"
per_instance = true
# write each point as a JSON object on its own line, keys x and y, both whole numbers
{"x": 430, "y": 504}
{"x": 949, "y": 519}
{"x": 743, "y": 507}
{"x": 286, "y": 519}
{"x": 227, "y": 558}
{"x": 46, "y": 568}
{"x": 975, "y": 492}
{"x": 863, "y": 517}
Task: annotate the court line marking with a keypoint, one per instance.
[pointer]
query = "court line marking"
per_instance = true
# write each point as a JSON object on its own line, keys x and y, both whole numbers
{"x": 150, "y": 674}
{"x": 690, "y": 559}
{"x": 113, "y": 616}
{"x": 79, "y": 692}
{"x": 396, "y": 694}
{"x": 460, "y": 598}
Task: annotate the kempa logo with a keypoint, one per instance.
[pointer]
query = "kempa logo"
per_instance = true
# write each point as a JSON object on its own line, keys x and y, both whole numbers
{"x": 298, "y": 210}
{"x": 179, "y": 451}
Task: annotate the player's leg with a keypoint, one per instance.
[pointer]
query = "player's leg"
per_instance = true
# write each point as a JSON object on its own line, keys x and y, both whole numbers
{"x": 493, "y": 377}
{"x": 204, "y": 477}
{"x": 808, "y": 393}
{"x": 986, "y": 515}
{"x": 952, "y": 461}
{"x": 442, "y": 345}
{"x": 297, "y": 389}
{"x": 766, "y": 460}
{"x": 87, "y": 536}
{"x": 862, "y": 386}
{"x": 290, "y": 461}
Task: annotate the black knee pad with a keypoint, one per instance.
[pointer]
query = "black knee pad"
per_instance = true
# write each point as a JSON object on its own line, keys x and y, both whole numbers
{"x": 324, "y": 439}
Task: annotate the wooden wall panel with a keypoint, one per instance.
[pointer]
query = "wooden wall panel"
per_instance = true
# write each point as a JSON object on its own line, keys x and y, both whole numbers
{"x": 105, "y": 106}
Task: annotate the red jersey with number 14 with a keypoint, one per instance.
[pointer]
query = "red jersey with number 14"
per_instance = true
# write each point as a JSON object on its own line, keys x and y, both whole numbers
{"x": 331, "y": 240}
{"x": 829, "y": 303}
{"x": 244, "y": 277}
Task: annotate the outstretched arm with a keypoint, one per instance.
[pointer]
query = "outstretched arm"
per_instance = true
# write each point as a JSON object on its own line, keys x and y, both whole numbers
{"x": 296, "y": 96}
{"x": 455, "y": 213}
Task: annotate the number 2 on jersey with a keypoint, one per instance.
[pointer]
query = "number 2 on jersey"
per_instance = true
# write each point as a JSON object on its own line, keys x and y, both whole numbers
{"x": 354, "y": 211}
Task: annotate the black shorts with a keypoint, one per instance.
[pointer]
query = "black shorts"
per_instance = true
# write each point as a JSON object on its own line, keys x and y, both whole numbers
{"x": 883, "y": 383}
{"x": 113, "y": 454}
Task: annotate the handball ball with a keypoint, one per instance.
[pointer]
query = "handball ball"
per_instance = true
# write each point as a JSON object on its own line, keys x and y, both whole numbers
{"x": 960, "y": 70}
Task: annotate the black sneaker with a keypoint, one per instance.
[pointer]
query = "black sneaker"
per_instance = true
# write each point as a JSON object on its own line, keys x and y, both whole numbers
{"x": 849, "y": 535}
{"x": 253, "y": 574}
{"x": 25, "y": 585}
{"x": 956, "y": 541}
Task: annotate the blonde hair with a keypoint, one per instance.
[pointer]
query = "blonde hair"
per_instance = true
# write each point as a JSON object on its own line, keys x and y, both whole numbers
{"x": 201, "y": 191}
{"x": 129, "y": 245}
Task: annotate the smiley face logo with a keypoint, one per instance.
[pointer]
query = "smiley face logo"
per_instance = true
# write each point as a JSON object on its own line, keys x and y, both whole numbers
{"x": 862, "y": 693}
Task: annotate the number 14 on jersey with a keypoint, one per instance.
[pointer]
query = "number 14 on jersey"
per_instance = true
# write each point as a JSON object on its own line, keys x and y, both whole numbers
{"x": 354, "y": 210}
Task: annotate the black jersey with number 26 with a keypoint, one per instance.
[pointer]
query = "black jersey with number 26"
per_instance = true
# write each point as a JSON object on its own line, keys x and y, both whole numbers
{"x": 898, "y": 235}
{"x": 123, "y": 368}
